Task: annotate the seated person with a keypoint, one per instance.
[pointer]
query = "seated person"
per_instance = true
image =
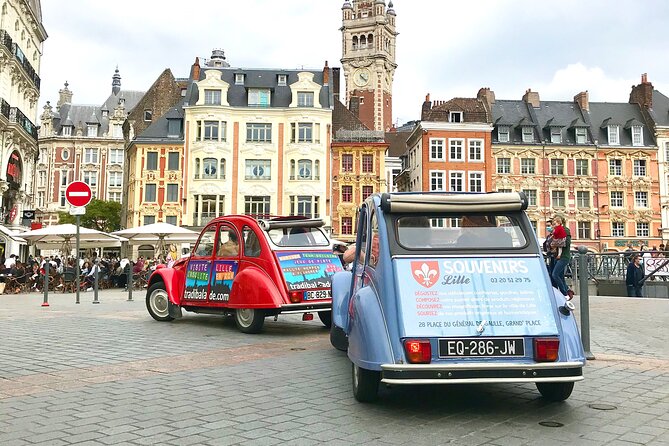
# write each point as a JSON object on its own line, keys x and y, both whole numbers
{"x": 480, "y": 231}
{"x": 230, "y": 247}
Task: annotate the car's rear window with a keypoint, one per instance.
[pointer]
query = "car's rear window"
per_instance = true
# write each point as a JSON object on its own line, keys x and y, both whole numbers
{"x": 298, "y": 237}
{"x": 460, "y": 231}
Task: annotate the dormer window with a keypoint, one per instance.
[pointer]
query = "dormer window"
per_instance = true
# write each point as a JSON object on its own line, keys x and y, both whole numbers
{"x": 148, "y": 115}
{"x": 528, "y": 134}
{"x": 212, "y": 97}
{"x": 305, "y": 98}
{"x": 105, "y": 113}
{"x": 282, "y": 80}
{"x": 91, "y": 130}
{"x": 613, "y": 135}
{"x": 239, "y": 79}
{"x": 580, "y": 135}
{"x": 556, "y": 135}
{"x": 67, "y": 130}
{"x": 455, "y": 116}
{"x": 637, "y": 135}
{"x": 259, "y": 97}
{"x": 503, "y": 133}
{"x": 173, "y": 128}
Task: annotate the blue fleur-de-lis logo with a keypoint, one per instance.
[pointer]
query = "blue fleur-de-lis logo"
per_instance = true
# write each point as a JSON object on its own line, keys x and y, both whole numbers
{"x": 425, "y": 273}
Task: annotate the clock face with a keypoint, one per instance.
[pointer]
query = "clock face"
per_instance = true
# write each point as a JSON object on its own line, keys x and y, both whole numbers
{"x": 361, "y": 77}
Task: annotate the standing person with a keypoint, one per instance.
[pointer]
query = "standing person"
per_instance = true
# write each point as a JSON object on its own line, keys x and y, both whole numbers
{"x": 634, "y": 277}
{"x": 562, "y": 260}
{"x": 548, "y": 252}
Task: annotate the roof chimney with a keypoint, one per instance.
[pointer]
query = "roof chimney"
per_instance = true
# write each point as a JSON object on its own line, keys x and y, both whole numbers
{"x": 326, "y": 74}
{"x": 642, "y": 94}
{"x": 427, "y": 106}
{"x": 65, "y": 96}
{"x": 487, "y": 95}
{"x": 532, "y": 98}
{"x": 195, "y": 70}
{"x": 335, "y": 82}
{"x": 354, "y": 106}
{"x": 583, "y": 100}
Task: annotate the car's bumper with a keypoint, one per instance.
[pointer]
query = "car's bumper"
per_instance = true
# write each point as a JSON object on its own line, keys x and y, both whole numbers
{"x": 306, "y": 307}
{"x": 481, "y": 373}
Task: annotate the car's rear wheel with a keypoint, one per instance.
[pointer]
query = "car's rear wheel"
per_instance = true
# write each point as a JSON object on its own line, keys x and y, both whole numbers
{"x": 338, "y": 338}
{"x": 325, "y": 317}
{"x": 555, "y": 391}
{"x": 249, "y": 320}
{"x": 158, "y": 303}
{"x": 365, "y": 384}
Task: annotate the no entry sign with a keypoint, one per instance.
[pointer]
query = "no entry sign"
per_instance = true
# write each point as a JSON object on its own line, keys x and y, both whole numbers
{"x": 78, "y": 193}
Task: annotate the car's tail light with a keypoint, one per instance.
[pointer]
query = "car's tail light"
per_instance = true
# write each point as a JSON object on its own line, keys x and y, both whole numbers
{"x": 307, "y": 316}
{"x": 295, "y": 296}
{"x": 418, "y": 351}
{"x": 546, "y": 349}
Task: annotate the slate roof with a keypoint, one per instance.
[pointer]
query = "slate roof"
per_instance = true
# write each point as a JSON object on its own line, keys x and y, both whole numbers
{"x": 79, "y": 115}
{"x": 343, "y": 118}
{"x": 397, "y": 143}
{"x": 660, "y": 110}
{"x": 602, "y": 113}
{"x": 157, "y": 131}
{"x": 263, "y": 78}
{"x": 472, "y": 110}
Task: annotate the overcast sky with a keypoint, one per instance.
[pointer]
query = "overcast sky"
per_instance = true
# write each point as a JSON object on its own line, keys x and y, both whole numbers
{"x": 447, "y": 48}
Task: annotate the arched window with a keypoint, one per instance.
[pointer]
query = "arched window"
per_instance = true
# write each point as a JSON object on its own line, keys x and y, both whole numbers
{"x": 4, "y": 8}
{"x": 363, "y": 42}
{"x": 292, "y": 169}
{"x": 16, "y": 26}
{"x": 370, "y": 41}
{"x": 222, "y": 170}
{"x": 197, "y": 168}
{"x": 304, "y": 171}
{"x": 317, "y": 170}
{"x": 209, "y": 166}
{"x": 355, "y": 42}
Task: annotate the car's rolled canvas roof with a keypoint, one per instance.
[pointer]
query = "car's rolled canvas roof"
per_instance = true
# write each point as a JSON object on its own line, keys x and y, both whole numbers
{"x": 453, "y": 202}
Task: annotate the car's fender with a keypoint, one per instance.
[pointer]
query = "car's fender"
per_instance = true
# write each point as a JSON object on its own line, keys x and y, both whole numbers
{"x": 369, "y": 342}
{"x": 571, "y": 346}
{"x": 253, "y": 288}
{"x": 174, "y": 280}
{"x": 341, "y": 292}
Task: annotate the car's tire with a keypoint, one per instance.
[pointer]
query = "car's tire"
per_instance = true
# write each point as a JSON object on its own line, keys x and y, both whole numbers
{"x": 158, "y": 302}
{"x": 555, "y": 391}
{"x": 338, "y": 338}
{"x": 365, "y": 384}
{"x": 326, "y": 318}
{"x": 249, "y": 320}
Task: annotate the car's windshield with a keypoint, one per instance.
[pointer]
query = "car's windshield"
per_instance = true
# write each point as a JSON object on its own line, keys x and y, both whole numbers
{"x": 460, "y": 231}
{"x": 298, "y": 236}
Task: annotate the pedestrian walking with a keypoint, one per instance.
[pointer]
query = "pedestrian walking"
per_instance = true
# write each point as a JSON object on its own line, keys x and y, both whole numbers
{"x": 562, "y": 260}
{"x": 634, "y": 277}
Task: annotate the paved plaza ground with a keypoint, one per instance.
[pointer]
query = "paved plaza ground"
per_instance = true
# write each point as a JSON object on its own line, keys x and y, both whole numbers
{"x": 109, "y": 374}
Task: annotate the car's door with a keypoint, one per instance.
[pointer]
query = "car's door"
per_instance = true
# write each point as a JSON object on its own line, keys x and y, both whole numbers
{"x": 199, "y": 267}
{"x": 225, "y": 265}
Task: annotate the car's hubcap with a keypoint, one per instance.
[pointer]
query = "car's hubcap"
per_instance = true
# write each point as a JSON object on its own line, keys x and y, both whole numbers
{"x": 245, "y": 316}
{"x": 159, "y": 303}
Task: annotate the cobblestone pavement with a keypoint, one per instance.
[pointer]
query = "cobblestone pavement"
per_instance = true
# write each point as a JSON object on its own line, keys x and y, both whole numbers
{"x": 109, "y": 374}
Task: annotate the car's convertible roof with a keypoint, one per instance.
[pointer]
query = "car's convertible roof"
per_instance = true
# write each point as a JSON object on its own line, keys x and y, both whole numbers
{"x": 453, "y": 202}
{"x": 290, "y": 222}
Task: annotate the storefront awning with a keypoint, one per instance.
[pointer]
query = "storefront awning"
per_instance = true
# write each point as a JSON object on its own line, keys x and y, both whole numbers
{"x": 7, "y": 235}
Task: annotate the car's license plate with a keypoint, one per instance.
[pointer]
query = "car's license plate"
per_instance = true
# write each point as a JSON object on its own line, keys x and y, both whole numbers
{"x": 481, "y": 347}
{"x": 317, "y": 294}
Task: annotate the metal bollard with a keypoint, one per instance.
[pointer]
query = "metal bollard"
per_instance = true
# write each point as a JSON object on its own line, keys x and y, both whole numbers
{"x": 584, "y": 299}
{"x": 95, "y": 282}
{"x": 130, "y": 282}
{"x": 46, "y": 284}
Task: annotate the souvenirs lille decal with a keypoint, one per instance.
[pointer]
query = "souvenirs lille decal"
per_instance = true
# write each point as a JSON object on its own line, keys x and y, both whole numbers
{"x": 425, "y": 273}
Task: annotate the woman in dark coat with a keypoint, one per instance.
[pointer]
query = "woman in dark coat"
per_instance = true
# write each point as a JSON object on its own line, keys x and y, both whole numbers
{"x": 634, "y": 277}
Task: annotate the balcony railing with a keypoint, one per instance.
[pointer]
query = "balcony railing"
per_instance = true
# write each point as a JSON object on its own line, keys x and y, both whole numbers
{"x": 13, "y": 48}
{"x": 16, "y": 116}
{"x": 359, "y": 136}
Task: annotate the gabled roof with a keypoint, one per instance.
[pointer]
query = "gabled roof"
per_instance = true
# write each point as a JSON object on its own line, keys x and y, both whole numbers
{"x": 343, "y": 118}
{"x": 472, "y": 110}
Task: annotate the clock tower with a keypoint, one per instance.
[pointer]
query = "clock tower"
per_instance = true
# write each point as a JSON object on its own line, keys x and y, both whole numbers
{"x": 368, "y": 59}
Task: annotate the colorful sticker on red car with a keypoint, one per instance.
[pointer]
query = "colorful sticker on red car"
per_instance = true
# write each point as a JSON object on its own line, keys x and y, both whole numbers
{"x": 475, "y": 297}
{"x": 221, "y": 283}
{"x": 308, "y": 270}
{"x": 197, "y": 279}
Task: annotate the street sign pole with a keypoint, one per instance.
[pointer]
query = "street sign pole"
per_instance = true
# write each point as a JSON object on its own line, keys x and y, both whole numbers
{"x": 76, "y": 260}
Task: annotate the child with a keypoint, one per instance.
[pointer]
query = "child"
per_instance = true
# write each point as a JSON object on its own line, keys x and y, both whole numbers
{"x": 558, "y": 241}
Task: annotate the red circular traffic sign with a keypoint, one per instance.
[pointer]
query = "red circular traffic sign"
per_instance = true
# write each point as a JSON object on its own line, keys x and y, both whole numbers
{"x": 78, "y": 194}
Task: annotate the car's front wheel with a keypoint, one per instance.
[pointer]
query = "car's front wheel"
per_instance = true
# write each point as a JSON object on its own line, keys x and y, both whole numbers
{"x": 158, "y": 303}
{"x": 365, "y": 384}
{"x": 325, "y": 317}
{"x": 555, "y": 391}
{"x": 249, "y": 320}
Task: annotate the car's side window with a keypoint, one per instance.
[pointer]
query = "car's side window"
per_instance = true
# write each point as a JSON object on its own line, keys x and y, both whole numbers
{"x": 228, "y": 242}
{"x": 205, "y": 247}
{"x": 374, "y": 241}
{"x": 362, "y": 233}
{"x": 251, "y": 243}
